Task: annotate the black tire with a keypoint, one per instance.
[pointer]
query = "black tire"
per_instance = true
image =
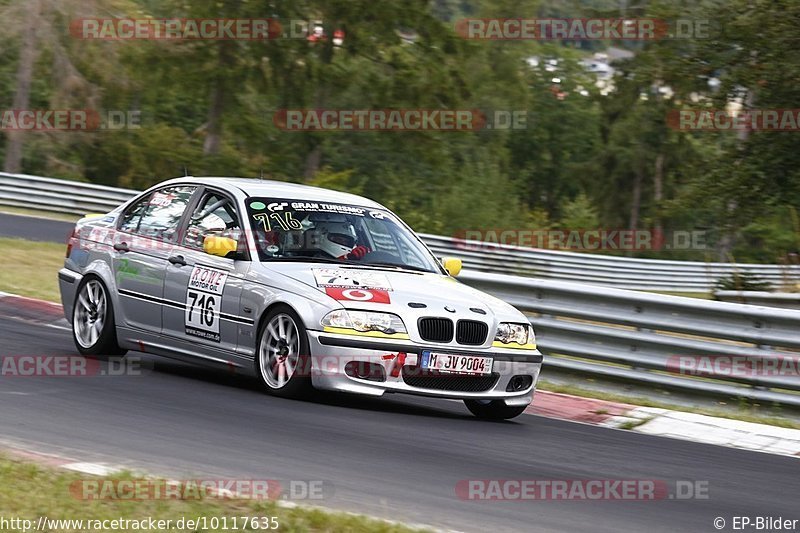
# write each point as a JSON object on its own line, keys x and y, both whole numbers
{"x": 105, "y": 344}
{"x": 494, "y": 409}
{"x": 298, "y": 382}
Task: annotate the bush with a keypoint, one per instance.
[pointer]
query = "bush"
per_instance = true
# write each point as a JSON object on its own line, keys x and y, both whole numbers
{"x": 742, "y": 281}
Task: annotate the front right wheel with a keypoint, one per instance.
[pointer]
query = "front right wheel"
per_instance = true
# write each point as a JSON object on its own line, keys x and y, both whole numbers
{"x": 282, "y": 360}
{"x": 494, "y": 409}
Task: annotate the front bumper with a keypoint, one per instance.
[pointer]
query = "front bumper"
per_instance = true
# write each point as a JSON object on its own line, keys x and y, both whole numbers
{"x": 330, "y": 354}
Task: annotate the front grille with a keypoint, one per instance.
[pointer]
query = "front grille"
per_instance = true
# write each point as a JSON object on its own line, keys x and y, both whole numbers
{"x": 430, "y": 379}
{"x": 471, "y": 332}
{"x": 435, "y": 329}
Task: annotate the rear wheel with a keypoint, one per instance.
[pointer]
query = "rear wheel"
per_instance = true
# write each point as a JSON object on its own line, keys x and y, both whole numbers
{"x": 282, "y": 360}
{"x": 93, "y": 327}
{"x": 494, "y": 409}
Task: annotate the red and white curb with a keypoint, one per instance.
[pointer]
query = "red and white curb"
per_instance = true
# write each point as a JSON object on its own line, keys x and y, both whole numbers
{"x": 42, "y": 312}
{"x": 667, "y": 423}
{"x": 56, "y": 461}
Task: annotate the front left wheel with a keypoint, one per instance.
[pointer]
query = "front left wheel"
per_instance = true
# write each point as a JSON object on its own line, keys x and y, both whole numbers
{"x": 282, "y": 360}
{"x": 93, "y": 327}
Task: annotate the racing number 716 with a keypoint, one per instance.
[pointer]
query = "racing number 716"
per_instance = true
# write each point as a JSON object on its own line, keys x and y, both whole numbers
{"x": 205, "y": 304}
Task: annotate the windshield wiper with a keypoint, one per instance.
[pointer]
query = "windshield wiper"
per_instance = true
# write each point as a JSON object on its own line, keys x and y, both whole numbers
{"x": 345, "y": 262}
{"x": 302, "y": 259}
{"x": 395, "y": 265}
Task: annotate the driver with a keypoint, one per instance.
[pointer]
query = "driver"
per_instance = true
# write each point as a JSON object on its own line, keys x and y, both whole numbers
{"x": 337, "y": 239}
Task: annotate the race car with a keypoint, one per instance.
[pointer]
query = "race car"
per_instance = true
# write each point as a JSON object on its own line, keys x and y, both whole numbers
{"x": 303, "y": 287}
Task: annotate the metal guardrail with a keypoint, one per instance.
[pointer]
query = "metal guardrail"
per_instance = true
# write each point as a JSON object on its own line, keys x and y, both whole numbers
{"x": 638, "y": 336}
{"x": 606, "y": 270}
{"x": 54, "y": 195}
{"x": 786, "y": 300}
{"x": 59, "y": 196}
{"x": 585, "y": 329}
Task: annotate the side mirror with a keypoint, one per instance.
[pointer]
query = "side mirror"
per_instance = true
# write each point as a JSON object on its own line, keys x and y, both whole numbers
{"x": 220, "y": 246}
{"x": 452, "y": 265}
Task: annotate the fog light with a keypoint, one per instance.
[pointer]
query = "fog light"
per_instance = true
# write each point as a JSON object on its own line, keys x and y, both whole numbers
{"x": 519, "y": 383}
{"x": 365, "y": 370}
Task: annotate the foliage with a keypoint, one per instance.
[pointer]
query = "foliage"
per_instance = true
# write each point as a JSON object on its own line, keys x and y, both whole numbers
{"x": 741, "y": 281}
{"x": 579, "y": 213}
{"x": 590, "y": 154}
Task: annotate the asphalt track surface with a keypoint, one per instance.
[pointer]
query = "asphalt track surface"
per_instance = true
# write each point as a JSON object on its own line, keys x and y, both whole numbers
{"x": 397, "y": 457}
{"x": 34, "y": 228}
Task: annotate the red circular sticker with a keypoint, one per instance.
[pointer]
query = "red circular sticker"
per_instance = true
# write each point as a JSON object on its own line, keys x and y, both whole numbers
{"x": 358, "y": 295}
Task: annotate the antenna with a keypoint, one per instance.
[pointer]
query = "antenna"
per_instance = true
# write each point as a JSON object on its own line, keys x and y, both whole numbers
{"x": 261, "y": 177}
{"x": 185, "y": 171}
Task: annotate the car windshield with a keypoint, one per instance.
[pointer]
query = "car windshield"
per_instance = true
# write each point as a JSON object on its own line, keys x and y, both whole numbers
{"x": 299, "y": 230}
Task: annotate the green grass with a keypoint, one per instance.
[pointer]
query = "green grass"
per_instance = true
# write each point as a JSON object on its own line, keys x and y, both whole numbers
{"x": 632, "y": 424}
{"x": 28, "y": 491}
{"x": 31, "y": 268}
{"x": 698, "y": 295}
{"x": 745, "y": 412}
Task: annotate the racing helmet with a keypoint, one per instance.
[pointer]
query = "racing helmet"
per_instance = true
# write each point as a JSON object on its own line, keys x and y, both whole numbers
{"x": 335, "y": 238}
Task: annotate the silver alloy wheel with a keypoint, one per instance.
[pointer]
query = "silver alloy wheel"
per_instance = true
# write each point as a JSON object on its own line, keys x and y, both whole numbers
{"x": 279, "y": 351}
{"x": 90, "y": 313}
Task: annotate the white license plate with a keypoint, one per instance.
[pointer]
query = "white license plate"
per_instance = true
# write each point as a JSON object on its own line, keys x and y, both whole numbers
{"x": 459, "y": 364}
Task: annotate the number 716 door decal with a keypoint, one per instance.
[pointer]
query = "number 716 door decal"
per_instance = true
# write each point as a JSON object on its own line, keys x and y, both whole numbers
{"x": 203, "y": 302}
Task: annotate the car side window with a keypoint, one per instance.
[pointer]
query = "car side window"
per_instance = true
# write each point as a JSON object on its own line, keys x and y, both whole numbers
{"x": 133, "y": 215}
{"x": 214, "y": 215}
{"x": 158, "y": 215}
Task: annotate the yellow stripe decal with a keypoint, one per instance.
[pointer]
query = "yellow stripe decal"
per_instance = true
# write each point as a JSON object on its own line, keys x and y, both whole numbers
{"x": 514, "y": 345}
{"x": 378, "y": 334}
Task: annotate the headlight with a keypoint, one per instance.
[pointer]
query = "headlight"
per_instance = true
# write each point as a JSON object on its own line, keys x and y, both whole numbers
{"x": 364, "y": 321}
{"x": 508, "y": 332}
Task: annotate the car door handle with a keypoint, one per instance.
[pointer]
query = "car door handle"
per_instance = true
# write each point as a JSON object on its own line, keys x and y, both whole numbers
{"x": 121, "y": 247}
{"x": 177, "y": 260}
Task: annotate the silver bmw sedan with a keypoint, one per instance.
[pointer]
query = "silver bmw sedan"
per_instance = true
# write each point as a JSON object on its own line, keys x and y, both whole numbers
{"x": 306, "y": 288}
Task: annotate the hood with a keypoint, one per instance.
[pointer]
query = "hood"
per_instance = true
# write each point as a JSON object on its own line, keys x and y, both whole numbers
{"x": 373, "y": 288}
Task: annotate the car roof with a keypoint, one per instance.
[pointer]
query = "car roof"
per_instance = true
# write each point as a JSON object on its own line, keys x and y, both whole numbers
{"x": 281, "y": 189}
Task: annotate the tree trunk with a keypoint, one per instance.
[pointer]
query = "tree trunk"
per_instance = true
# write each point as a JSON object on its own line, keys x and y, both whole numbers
{"x": 216, "y": 109}
{"x": 658, "y": 197}
{"x": 22, "y": 91}
{"x": 314, "y": 156}
{"x": 636, "y": 200}
{"x": 728, "y": 238}
{"x": 313, "y": 161}
{"x": 726, "y": 241}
